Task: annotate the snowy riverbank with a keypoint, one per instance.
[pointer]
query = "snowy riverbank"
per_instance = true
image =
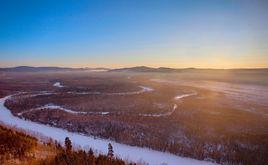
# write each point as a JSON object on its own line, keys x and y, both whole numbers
{"x": 57, "y": 107}
{"x": 124, "y": 151}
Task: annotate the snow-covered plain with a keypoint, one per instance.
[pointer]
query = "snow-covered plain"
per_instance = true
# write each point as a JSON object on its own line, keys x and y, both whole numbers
{"x": 58, "y": 84}
{"x": 123, "y": 151}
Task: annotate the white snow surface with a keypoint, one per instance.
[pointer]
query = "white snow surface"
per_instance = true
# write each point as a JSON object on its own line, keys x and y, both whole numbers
{"x": 121, "y": 150}
{"x": 58, "y": 107}
{"x": 184, "y": 95}
{"x": 42, "y": 93}
{"x": 58, "y": 84}
{"x": 161, "y": 114}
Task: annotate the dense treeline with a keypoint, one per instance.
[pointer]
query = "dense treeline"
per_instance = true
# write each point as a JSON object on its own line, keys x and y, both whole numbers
{"x": 193, "y": 141}
{"x": 223, "y": 147}
{"x": 15, "y": 145}
{"x": 197, "y": 130}
{"x": 67, "y": 156}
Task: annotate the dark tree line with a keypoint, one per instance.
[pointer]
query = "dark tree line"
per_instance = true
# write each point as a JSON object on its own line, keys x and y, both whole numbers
{"x": 17, "y": 145}
{"x": 68, "y": 156}
{"x": 14, "y": 145}
{"x": 220, "y": 145}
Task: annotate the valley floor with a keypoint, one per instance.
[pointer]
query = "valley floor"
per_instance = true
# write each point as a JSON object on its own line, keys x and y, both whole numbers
{"x": 136, "y": 154}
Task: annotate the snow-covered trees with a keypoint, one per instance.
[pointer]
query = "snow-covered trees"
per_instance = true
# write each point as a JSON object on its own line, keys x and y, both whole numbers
{"x": 80, "y": 157}
{"x": 110, "y": 151}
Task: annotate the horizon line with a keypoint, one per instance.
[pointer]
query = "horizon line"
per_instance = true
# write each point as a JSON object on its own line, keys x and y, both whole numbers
{"x": 87, "y": 67}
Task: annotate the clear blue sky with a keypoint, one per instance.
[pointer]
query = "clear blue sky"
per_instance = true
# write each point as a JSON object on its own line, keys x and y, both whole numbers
{"x": 180, "y": 33}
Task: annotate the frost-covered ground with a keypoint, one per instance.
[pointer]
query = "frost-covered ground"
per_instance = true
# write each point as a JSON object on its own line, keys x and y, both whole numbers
{"x": 124, "y": 151}
{"x": 58, "y": 84}
{"x": 57, "y": 107}
{"x": 243, "y": 93}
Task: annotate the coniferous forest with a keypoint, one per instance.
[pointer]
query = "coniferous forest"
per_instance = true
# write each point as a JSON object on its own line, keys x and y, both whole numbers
{"x": 19, "y": 148}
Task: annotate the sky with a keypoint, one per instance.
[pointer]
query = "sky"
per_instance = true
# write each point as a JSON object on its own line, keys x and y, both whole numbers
{"x": 114, "y": 34}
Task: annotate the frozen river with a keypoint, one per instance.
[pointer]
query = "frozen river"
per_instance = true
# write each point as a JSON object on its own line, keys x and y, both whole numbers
{"x": 125, "y": 152}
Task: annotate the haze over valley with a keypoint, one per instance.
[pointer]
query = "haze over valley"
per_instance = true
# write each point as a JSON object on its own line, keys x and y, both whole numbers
{"x": 134, "y": 82}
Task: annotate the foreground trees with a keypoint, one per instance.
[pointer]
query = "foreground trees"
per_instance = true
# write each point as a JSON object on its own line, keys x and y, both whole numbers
{"x": 68, "y": 145}
{"x": 15, "y": 145}
{"x": 80, "y": 157}
{"x": 19, "y": 148}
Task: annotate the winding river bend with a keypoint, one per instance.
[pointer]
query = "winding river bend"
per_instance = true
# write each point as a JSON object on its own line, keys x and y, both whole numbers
{"x": 143, "y": 90}
{"x": 125, "y": 152}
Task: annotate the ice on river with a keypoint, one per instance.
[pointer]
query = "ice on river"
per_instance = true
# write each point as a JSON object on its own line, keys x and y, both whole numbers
{"x": 124, "y": 151}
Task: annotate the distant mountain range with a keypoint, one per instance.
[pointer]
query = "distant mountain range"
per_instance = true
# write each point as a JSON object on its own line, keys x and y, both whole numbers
{"x": 130, "y": 69}
{"x": 149, "y": 69}
{"x": 48, "y": 69}
{"x": 174, "y": 70}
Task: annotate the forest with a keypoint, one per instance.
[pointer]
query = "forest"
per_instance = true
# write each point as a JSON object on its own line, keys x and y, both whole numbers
{"x": 214, "y": 124}
{"x": 19, "y": 148}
